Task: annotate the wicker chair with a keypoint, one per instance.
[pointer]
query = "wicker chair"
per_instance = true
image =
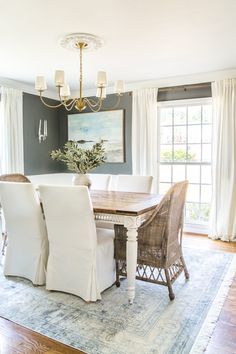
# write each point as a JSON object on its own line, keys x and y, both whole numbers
{"x": 11, "y": 177}
{"x": 14, "y": 177}
{"x": 160, "y": 259}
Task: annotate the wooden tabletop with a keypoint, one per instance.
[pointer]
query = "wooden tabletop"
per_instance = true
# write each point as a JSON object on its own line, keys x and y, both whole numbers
{"x": 123, "y": 203}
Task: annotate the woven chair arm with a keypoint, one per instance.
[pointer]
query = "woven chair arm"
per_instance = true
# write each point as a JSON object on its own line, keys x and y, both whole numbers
{"x": 149, "y": 221}
{"x": 161, "y": 210}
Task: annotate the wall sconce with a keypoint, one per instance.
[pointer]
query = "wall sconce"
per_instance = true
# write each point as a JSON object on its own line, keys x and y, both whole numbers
{"x": 43, "y": 135}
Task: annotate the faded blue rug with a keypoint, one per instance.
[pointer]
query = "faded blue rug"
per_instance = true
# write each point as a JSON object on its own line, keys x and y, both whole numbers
{"x": 152, "y": 325}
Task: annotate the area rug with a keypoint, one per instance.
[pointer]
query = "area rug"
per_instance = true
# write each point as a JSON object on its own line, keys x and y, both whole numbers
{"x": 152, "y": 325}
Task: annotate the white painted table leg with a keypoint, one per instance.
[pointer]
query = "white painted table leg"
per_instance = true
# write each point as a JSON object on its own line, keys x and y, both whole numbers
{"x": 132, "y": 225}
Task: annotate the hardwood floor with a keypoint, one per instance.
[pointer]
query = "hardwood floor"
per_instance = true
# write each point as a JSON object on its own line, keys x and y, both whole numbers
{"x": 15, "y": 339}
{"x": 223, "y": 340}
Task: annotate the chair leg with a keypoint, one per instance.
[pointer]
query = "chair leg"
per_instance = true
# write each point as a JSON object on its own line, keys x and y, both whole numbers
{"x": 186, "y": 273}
{"x": 117, "y": 275}
{"x": 171, "y": 293}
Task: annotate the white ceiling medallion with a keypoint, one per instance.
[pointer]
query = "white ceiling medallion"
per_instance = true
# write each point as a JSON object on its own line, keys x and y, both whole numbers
{"x": 91, "y": 42}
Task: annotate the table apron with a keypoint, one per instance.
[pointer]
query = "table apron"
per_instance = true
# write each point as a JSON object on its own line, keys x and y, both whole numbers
{"x": 131, "y": 221}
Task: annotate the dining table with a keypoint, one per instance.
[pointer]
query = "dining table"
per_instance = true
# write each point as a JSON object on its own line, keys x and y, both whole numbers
{"x": 131, "y": 210}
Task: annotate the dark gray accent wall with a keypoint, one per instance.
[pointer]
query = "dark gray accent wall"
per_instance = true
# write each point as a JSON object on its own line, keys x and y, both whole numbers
{"x": 36, "y": 155}
{"x": 126, "y": 105}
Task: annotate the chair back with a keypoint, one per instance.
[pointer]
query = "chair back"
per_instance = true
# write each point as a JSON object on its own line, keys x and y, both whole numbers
{"x": 14, "y": 177}
{"x": 72, "y": 239}
{"x": 138, "y": 184}
{"x": 175, "y": 220}
{"x": 52, "y": 178}
{"x": 27, "y": 249}
{"x": 158, "y": 236}
{"x": 100, "y": 181}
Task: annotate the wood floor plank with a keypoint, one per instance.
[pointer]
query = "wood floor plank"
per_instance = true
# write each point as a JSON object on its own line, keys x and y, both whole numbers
{"x": 20, "y": 340}
{"x": 15, "y": 339}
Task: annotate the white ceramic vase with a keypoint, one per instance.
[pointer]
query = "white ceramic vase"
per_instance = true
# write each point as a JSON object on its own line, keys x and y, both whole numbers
{"x": 80, "y": 179}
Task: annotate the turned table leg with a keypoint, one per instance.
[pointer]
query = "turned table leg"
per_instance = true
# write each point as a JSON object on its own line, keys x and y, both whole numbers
{"x": 132, "y": 224}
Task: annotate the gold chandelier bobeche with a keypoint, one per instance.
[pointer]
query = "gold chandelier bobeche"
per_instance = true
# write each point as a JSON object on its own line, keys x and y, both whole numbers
{"x": 79, "y": 42}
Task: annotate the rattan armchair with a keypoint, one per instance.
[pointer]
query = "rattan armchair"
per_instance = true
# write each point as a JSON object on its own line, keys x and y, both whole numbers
{"x": 11, "y": 177}
{"x": 14, "y": 177}
{"x": 160, "y": 259}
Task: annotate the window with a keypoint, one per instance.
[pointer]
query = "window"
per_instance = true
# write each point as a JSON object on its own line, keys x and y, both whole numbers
{"x": 185, "y": 153}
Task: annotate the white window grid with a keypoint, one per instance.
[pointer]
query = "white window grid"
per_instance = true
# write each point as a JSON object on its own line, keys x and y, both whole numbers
{"x": 186, "y": 163}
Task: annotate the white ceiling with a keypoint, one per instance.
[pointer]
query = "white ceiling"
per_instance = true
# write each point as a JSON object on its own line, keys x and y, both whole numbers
{"x": 144, "y": 39}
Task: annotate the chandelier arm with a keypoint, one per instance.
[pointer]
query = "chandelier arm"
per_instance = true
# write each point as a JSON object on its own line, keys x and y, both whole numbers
{"x": 69, "y": 108}
{"x": 98, "y": 105}
{"x": 92, "y": 107}
{"x": 64, "y": 102}
{"x": 94, "y": 110}
{"x": 71, "y": 103}
{"x": 93, "y": 103}
{"x": 49, "y": 105}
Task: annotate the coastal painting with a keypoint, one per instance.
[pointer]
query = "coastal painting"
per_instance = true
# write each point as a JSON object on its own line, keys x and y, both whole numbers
{"x": 90, "y": 128}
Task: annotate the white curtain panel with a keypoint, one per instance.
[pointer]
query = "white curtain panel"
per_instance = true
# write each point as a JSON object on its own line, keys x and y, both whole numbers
{"x": 144, "y": 134}
{"x": 11, "y": 131}
{"x": 223, "y": 214}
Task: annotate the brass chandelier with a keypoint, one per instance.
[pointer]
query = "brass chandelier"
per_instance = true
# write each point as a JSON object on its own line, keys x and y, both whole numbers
{"x": 79, "y": 42}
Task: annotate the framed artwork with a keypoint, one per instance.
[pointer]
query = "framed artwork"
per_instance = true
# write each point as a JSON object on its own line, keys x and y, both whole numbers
{"x": 90, "y": 128}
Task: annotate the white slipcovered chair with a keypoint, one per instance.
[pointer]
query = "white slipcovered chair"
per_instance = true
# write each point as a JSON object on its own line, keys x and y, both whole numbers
{"x": 100, "y": 181}
{"x": 131, "y": 183}
{"x": 52, "y": 178}
{"x": 10, "y": 177}
{"x": 81, "y": 258}
{"x": 27, "y": 249}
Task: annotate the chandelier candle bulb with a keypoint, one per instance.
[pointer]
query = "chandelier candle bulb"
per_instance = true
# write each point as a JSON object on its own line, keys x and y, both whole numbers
{"x": 65, "y": 91}
{"x": 119, "y": 87}
{"x": 59, "y": 78}
{"x": 101, "y": 92}
{"x": 40, "y": 83}
{"x": 102, "y": 79}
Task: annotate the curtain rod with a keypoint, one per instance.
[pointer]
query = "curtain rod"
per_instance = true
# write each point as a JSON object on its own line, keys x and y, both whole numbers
{"x": 180, "y": 87}
{"x": 185, "y": 87}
